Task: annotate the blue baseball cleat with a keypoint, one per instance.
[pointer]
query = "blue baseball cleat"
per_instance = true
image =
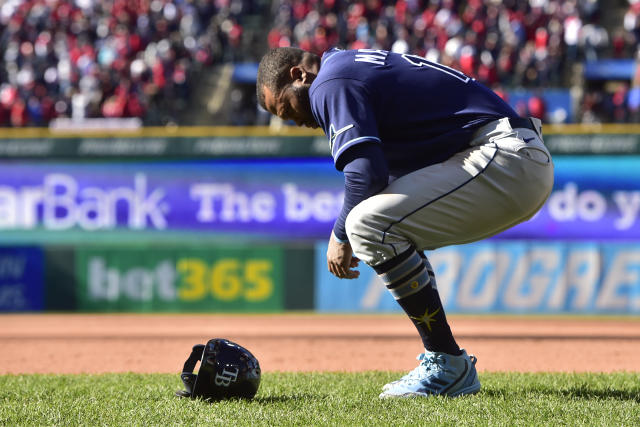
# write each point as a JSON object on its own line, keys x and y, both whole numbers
{"x": 437, "y": 373}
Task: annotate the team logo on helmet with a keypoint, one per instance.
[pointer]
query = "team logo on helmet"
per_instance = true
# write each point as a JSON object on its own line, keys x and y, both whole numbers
{"x": 227, "y": 377}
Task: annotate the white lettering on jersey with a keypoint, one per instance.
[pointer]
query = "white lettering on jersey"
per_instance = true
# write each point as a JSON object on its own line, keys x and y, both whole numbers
{"x": 372, "y": 56}
{"x": 333, "y": 133}
{"x": 419, "y": 61}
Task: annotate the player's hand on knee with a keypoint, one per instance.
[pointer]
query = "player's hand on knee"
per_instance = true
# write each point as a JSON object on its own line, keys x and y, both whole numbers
{"x": 340, "y": 260}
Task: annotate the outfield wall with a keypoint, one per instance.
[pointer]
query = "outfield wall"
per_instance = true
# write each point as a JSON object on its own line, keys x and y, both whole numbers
{"x": 89, "y": 229}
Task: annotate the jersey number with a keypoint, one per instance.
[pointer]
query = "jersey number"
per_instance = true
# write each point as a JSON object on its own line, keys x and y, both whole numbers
{"x": 419, "y": 61}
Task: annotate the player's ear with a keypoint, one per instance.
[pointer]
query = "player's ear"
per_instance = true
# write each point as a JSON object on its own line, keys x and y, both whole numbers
{"x": 296, "y": 72}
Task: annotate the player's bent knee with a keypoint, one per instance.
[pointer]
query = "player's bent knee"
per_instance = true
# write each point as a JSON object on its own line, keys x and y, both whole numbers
{"x": 360, "y": 222}
{"x": 351, "y": 221}
{"x": 364, "y": 234}
{"x": 353, "y": 226}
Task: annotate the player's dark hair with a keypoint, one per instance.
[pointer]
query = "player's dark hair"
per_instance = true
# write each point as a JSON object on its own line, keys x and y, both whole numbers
{"x": 274, "y": 68}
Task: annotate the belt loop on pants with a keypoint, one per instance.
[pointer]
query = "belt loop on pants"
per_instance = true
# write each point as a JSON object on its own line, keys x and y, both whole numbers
{"x": 521, "y": 122}
{"x": 484, "y": 134}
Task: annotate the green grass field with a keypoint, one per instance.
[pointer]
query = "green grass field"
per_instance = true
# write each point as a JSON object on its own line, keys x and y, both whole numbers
{"x": 320, "y": 399}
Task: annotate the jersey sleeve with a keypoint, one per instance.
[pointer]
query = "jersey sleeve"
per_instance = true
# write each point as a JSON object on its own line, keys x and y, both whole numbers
{"x": 344, "y": 110}
{"x": 365, "y": 174}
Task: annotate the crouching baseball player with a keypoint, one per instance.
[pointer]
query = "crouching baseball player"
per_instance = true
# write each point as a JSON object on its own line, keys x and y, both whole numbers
{"x": 430, "y": 158}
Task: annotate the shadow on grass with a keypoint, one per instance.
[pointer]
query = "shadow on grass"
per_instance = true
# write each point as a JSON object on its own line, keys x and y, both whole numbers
{"x": 267, "y": 400}
{"x": 589, "y": 393}
{"x": 575, "y": 392}
{"x": 263, "y": 400}
{"x": 260, "y": 400}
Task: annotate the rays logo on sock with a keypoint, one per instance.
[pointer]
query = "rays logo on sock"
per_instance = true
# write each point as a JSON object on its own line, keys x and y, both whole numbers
{"x": 333, "y": 133}
{"x": 427, "y": 318}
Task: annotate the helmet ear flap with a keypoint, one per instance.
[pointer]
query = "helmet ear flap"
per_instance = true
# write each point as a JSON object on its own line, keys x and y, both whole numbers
{"x": 189, "y": 381}
{"x": 187, "y": 375}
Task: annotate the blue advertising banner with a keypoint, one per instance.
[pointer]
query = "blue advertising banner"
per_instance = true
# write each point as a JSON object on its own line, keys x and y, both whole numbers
{"x": 506, "y": 276}
{"x": 596, "y": 197}
{"x": 593, "y": 197}
{"x": 272, "y": 198}
{"x": 21, "y": 279}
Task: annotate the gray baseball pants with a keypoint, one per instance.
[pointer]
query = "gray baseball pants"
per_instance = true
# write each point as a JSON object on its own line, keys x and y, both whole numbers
{"x": 498, "y": 182}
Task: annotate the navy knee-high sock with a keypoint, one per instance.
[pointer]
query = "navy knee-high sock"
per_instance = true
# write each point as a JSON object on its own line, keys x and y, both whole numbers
{"x": 410, "y": 279}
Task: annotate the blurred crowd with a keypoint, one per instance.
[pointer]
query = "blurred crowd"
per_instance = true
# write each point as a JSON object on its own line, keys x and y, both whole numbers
{"x": 501, "y": 43}
{"x": 511, "y": 42}
{"x": 140, "y": 58}
{"x": 617, "y": 101}
{"x": 630, "y": 33}
{"x": 109, "y": 58}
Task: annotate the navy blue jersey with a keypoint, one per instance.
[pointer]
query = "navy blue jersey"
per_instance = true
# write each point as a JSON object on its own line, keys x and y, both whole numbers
{"x": 419, "y": 111}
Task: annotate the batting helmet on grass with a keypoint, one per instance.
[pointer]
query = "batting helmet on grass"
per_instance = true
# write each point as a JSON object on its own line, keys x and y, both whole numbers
{"x": 226, "y": 370}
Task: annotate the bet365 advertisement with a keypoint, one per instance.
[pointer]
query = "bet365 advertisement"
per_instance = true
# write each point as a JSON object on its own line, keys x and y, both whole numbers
{"x": 221, "y": 279}
{"x": 595, "y": 197}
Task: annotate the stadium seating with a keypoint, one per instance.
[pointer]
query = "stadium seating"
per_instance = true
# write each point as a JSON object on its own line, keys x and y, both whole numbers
{"x": 532, "y": 46}
{"x": 561, "y": 60}
{"x": 112, "y": 58}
